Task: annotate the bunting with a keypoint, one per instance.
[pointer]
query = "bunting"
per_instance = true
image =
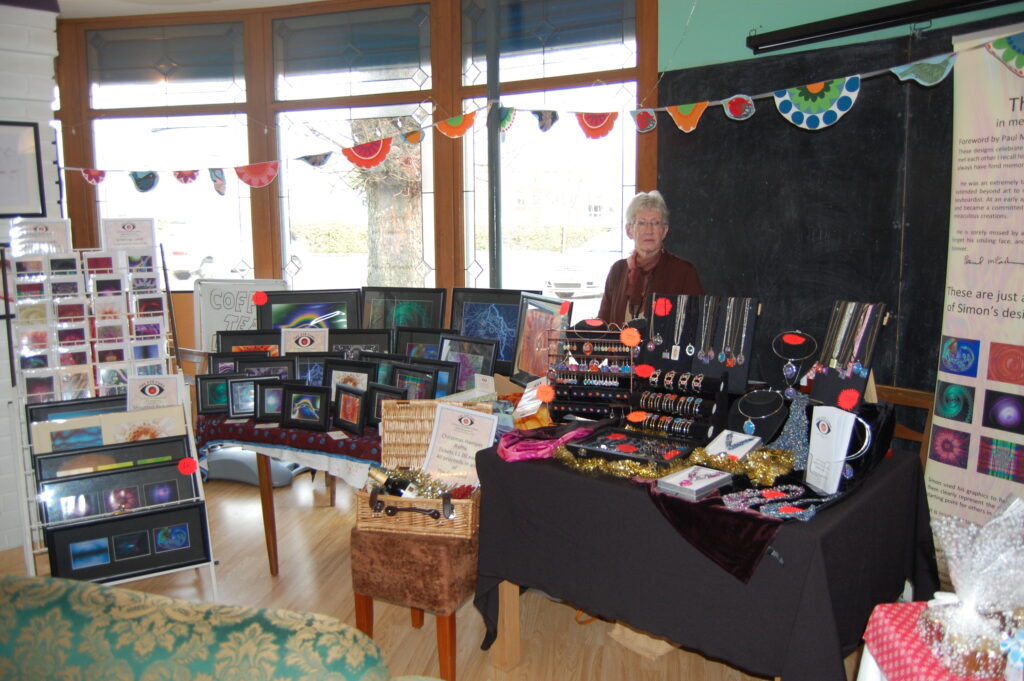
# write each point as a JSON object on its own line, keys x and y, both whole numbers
{"x": 258, "y": 174}
{"x": 597, "y": 125}
{"x": 457, "y": 126}
{"x": 644, "y": 119}
{"x": 739, "y": 107}
{"x": 1009, "y": 51}
{"x": 144, "y": 180}
{"x": 927, "y": 72}
{"x": 186, "y": 176}
{"x": 818, "y": 105}
{"x": 686, "y": 116}
{"x": 546, "y": 119}
{"x": 370, "y": 154}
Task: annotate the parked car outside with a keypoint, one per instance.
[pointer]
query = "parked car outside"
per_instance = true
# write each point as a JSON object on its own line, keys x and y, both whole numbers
{"x": 585, "y": 268}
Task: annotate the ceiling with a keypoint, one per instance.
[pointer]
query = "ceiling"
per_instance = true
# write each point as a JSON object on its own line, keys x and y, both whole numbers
{"x": 85, "y": 9}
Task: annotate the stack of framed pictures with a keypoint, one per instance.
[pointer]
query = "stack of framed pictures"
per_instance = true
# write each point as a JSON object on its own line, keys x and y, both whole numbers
{"x": 324, "y": 309}
{"x": 388, "y": 307}
{"x": 489, "y": 313}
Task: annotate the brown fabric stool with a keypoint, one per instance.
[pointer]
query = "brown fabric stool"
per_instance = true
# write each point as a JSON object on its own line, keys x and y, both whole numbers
{"x": 420, "y": 571}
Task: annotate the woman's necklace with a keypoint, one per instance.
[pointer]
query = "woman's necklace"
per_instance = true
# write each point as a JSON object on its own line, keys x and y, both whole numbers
{"x": 681, "y": 303}
{"x": 740, "y": 358}
{"x": 730, "y": 308}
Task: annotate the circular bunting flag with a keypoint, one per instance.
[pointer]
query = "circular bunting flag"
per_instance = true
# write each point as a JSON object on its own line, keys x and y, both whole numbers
{"x": 186, "y": 176}
{"x": 597, "y": 125}
{"x": 687, "y": 115}
{"x": 413, "y": 137}
{"x": 457, "y": 126}
{"x": 645, "y": 120}
{"x": 1010, "y": 51}
{"x": 506, "y": 114}
{"x": 93, "y": 176}
{"x": 738, "y": 107}
{"x": 257, "y": 174}
{"x": 818, "y": 105}
{"x": 370, "y": 154}
{"x": 317, "y": 160}
{"x": 144, "y": 180}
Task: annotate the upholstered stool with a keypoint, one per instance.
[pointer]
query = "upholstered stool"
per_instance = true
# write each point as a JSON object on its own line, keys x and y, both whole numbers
{"x": 423, "y": 572}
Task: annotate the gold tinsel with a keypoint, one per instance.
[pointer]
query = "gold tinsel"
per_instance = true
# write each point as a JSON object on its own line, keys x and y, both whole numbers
{"x": 762, "y": 466}
{"x": 622, "y": 468}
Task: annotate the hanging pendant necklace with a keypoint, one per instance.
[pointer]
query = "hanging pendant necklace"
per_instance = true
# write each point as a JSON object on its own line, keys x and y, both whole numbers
{"x": 677, "y": 333}
{"x": 651, "y": 345}
{"x": 726, "y": 348}
{"x": 752, "y": 404}
{"x": 840, "y": 338}
{"x": 740, "y": 357}
{"x": 794, "y": 347}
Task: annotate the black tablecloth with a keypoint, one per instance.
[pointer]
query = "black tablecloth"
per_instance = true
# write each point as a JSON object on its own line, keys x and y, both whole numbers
{"x": 601, "y": 545}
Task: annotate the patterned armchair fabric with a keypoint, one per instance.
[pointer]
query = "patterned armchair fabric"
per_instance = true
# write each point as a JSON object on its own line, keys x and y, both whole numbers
{"x": 79, "y": 631}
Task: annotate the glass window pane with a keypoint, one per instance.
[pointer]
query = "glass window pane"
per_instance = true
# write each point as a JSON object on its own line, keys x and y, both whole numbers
{"x": 563, "y": 196}
{"x": 344, "y": 226}
{"x": 203, "y": 233}
{"x": 352, "y": 53}
{"x": 546, "y": 38}
{"x": 166, "y": 65}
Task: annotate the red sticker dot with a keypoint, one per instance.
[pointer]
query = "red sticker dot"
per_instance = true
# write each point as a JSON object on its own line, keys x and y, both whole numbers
{"x": 671, "y": 454}
{"x": 772, "y": 494}
{"x": 615, "y": 436}
{"x": 187, "y": 466}
{"x": 662, "y": 306}
{"x": 643, "y": 370}
{"x": 259, "y": 298}
{"x": 593, "y": 322}
{"x": 793, "y": 339}
{"x": 789, "y": 509}
{"x": 626, "y": 449}
{"x": 564, "y": 309}
{"x": 848, "y": 399}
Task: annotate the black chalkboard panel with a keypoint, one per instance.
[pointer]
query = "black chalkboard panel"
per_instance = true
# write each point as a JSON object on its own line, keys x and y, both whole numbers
{"x": 857, "y": 211}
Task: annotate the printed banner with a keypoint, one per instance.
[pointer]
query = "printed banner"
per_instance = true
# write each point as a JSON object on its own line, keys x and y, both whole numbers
{"x": 976, "y": 452}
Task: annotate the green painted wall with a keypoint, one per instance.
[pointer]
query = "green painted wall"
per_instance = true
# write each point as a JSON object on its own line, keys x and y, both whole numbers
{"x": 699, "y": 32}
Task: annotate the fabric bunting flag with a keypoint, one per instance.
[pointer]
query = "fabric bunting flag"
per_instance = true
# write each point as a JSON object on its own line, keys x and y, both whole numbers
{"x": 457, "y": 126}
{"x": 506, "y": 114}
{"x": 1010, "y": 51}
{"x": 818, "y": 105}
{"x": 186, "y": 176}
{"x": 597, "y": 125}
{"x": 686, "y": 116}
{"x": 546, "y": 119}
{"x": 645, "y": 119}
{"x": 144, "y": 180}
{"x": 738, "y": 107}
{"x": 926, "y": 72}
{"x": 413, "y": 136}
{"x": 258, "y": 174}
{"x": 370, "y": 154}
{"x": 93, "y": 176}
{"x": 220, "y": 184}
{"x": 317, "y": 160}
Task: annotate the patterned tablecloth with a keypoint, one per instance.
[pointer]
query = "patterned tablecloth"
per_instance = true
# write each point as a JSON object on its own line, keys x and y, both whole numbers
{"x": 900, "y": 653}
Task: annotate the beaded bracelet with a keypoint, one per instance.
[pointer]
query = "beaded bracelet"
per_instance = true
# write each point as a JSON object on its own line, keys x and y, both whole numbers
{"x": 750, "y": 498}
{"x": 800, "y": 509}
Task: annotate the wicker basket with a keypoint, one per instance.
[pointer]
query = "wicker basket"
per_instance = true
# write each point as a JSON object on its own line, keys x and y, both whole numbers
{"x": 407, "y": 426}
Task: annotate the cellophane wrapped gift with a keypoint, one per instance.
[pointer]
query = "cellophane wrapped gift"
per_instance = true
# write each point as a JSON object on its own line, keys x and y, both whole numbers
{"x": 972, "y": 631}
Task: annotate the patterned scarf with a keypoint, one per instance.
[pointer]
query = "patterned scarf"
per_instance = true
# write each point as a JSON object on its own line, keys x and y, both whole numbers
{"x": 640, "y": 268}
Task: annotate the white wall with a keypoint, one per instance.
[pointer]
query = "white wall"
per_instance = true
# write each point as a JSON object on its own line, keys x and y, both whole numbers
{"x": 28, "y": 47}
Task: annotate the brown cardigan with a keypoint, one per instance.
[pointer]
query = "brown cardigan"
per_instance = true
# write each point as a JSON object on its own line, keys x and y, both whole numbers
{"x": 672, "y": 276}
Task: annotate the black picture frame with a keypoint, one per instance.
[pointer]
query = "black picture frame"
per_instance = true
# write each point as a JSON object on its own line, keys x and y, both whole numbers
{"x": 77, "y": 498}
{"x": 447, "y": 375}
{"x": 417, "y": 342}
{"x": 242, "y": 395}
{"x": 473, "y": 355}
{"x": 538, "y": 316}
{"x": 296, "y": 309}
{"x": 227, "y": 362}
{"x": 309, "y": 366}
{"x": 212, "y": 395}
{"x": 377, "y": 393}
{"x": 282, "y": 368}
{"x": 269, "y": 395}
{"x": 23, "y": 177}
{"x": 384, "y": 362}
{"x": 235, "y": 340}
{"x": 348, "y": 343}
{"x": 355, "y": 367}
{"x": 113, "y": 548}
{"x": 494, "y": 314}
{"x": 348, "y": 409}
{"x": 312, "y": 415}
{"x": 418, "y": 380}
{"x": 70, "y": 409}
{"x": 114, "y": 457}
{"x": 387, "y": 307}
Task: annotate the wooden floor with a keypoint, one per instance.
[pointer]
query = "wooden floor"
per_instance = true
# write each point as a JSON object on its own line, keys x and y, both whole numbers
{"x": 314, "y": 576}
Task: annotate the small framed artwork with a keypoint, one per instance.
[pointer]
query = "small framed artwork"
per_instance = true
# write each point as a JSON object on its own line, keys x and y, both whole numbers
{"x": 29, "y": 289}
{"x": 226, "y": 362}
{"x": 149, "y": 368}
{"x": 100, "y": 262}
{"x": 212, "y": 392}
{"x": 73, "y": 356}
{"x": 385, "y": 361}
{"x": 538, "y": 316}
{"x": 75, "y": 382}
{"x": 489, "y": 313}
{"x": 110, "y": 331}
{"x": 67, "y": 285}
{"x": 143, "y": 283}
{"x": 72, "y": 334}
{"x": 473, "y": 355}
{"x": 323, "y": 309}
{"x": 33, "y": 338}
{"x": 139, "y": 260}
{"x": 112, "y": 378}
{"x": 309, "y": 366}
{"x": 106, "y": 284}
{"x": 30, "y": 266}
{"x": 109, "y": 308}
{"x": 351, "y": 372}
{"x": 242, "y": 395}
{"x": 148, "y": 327}
{"x": 32, "y": 312}
{"x": 149, "y": 349}
{"x": 84, "y": 432}
{"x": 418, "y": 382}
{"x": 282, "y": 368}
{"x": 40, "y": 385}
{"x": 348, "y": 343}
{"x": 61, "y": 264}
{"x": 349, "y": 408}
{"x": 143, "y": 424}
{"x": 73, "y": 409}
{"x": 22, "y": 194}
{"x": 148, "y": 304}
{"x": 418, "y": 342}
{"x": 268, "y": 341}
{"x": 307, "y": 406}
{"x": 109, "y": 352}
{"x": 34, "y": 359}
{"x": 387, "y": 307}
{"x": 376, "y": 394}
{"x": 71, "y": 309}
{"x": 269, "y": 398}
{"x": 129, "y": 455}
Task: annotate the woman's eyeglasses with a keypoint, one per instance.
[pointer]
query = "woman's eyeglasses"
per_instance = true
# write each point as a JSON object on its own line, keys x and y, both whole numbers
{"x": 644, "y": 224}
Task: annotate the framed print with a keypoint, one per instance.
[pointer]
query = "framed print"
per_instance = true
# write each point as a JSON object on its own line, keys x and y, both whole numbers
{"x": 109, "y": 332}
{"x": 348, "y": 343}
{"x": 71, "y": 309}
{"x": 473, "y": 355}
{"x": 350, "y": 372}
{"x": 309, "y": 366}
{"x": 447, "y": 372}
{"x": 61, "y": 264}
{"x": 538, "y": 316}
{"x": 323, "y": 309}
{"x": 376, "y": 394}
{"x": 348, "y": 411}
{"x": 282, "y": 368}
{"x": 143, "y": 424}
{"x": 269, "y": 396}
{"x": 307, "y": 406}
{"x": 387, "y": 307}
{"x": 109, "y": 308}
{"x": 100, "y": 262}
{"x": 84, "y": 461}
{"x": 72, "y": 409}
{"x": 34, "y": 359}
{"x": 29, "y": 289}
{"x": 148, "y": 327}
{"x": 21, "y": 190}
{"x": 134, "y": 544}
{"x": 84, "y": 432}
{"x": 40, "y": 385}
{"x": 32, "y": 312}
{"x": 489, "y": 313}
{"x": 68, "y": 285}
{"x": 112, "y": 378}
{"x": 75, "y": 498}
{"x": 143, "y": 283}
{"x": 419, "y": 382}
{"x": 268, "y": 341}
{"x": 212, "y": 392}
{"x": 242, "y": 395}
{"x": 73, "y": 356}
{"x": 106, "y": 284}
{"x": 227, "y": 362}
{"x": 75, "y": 383}
{"x": 72, "y": 334}
{"x": 151, "y": 304}
{"x": 32, "y": 266}
{"x": 418, "y": 342}
{"x": 109, "y": 352}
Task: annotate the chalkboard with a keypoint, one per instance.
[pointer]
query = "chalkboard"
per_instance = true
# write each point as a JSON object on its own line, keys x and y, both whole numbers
{"x": 857, "y": 211}
{"x": 226, "y": 304}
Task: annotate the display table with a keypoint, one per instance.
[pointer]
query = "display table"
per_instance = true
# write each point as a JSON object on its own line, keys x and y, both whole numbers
{"x": 894, "y": 651}
{"x": 601, "y": 544}
{"x": 347, "y": 458}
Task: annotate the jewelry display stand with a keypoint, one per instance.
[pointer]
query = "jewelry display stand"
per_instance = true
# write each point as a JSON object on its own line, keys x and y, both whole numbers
{"x": 841, "y": 373}
{"x": 591, "y": 371}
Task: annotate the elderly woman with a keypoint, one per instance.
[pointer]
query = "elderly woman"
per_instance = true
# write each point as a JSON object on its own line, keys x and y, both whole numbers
{"x": 649, "y": 268}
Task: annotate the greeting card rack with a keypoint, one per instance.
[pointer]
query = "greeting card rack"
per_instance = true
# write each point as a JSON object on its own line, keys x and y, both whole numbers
{"x": 591, "y": 371}
{"x": 108, "y": 494}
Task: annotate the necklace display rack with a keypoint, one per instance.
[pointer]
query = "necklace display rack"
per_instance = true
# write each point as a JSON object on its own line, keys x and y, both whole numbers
{"x": 843, "y": 366}
{"x": 591, "y": 372}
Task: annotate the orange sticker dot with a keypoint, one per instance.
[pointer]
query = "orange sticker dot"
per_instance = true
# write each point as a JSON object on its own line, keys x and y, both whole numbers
{"x": 643, "y": 370}
{"x": 546, "y": 394}
{"x": 630, "y": 337}
{"x": 662, "y": 306}
{"x": 259, "y": 298}
{"x": 636, "y": 416}
{"x": 187, "y": 466}
{"x": 564, "y": 309}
